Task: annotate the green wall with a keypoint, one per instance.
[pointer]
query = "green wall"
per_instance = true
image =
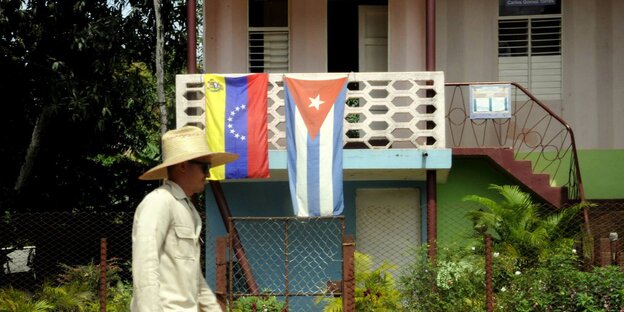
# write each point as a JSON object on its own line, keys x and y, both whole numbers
{"x": 468, "y": 176}
{"x": 602, "y": 172}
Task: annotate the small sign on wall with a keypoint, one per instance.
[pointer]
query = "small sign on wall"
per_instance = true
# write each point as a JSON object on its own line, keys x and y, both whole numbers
{"x": 490, "y": 101}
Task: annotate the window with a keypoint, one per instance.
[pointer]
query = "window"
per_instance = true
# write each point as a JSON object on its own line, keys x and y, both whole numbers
{"x": 529, "y": 47}
{"x": 268, "y": 36}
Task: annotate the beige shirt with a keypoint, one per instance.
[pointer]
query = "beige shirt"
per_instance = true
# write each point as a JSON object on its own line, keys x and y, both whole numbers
{"x": 166, "y": 268}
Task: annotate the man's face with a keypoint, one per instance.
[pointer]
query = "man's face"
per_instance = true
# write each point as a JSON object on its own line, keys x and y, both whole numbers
{"x": 199, "y": 170}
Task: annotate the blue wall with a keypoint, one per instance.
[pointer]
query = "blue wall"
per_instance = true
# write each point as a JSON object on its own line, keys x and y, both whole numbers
{"x": 272, "y": 199}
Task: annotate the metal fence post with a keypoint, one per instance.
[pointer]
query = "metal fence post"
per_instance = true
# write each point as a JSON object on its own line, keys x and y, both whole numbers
{"x": 221, "y": 272}
{"x": 348, "y": 274}
{"x": 489, "y": 300}
{"x": 103, "y": 274}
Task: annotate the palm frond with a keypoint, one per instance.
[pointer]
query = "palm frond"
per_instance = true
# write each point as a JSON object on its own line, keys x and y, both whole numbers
{"x": 513, "y": 196}
{"x": 484, "y": 201}
{"x": 523, "y": 230}
{"x": 16, "y": 300}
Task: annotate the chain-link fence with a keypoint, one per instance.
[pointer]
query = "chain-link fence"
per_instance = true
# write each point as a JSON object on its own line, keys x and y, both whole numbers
{"x": 455, "y": 226}
{"x": 459, "y": 227}
{"x": 292, "y": 263}
{"x": 35, "y": 246}
{"x": 296, "y": 262}
{"x": 607, "y": 224}
{"x": 500, "y": 251}
{"x": 389, "y": 223}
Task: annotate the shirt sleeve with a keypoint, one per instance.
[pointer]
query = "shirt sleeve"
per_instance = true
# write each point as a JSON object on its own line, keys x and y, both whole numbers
{"x": 151, "y": 222}
{"x": 207, "y": 300}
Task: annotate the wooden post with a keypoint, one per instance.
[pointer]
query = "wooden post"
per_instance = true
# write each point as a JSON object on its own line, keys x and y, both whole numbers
{"x": 348, "y": 274}
{"x": 238, "y": 249}
{"x": 603, "y": 252}
{"x": 191, "y": 38}
{"x": 103, "y": 275}
{"x": 432, "y": 219}
{"x": 221, "y": 272}
{"x": 489, "y": 298}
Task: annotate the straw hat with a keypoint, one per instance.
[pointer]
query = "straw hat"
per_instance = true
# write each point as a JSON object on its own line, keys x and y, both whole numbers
{"x": 184, "y": 144}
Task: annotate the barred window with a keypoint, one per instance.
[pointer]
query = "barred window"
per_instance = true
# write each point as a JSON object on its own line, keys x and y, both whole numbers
{"x": 529, "y": 53}
{"x": 268, "y": 36}
{"x": 529, "y": 36}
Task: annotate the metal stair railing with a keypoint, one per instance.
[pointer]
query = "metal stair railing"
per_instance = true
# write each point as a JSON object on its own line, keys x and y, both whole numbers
{"x": 534, "y": 132}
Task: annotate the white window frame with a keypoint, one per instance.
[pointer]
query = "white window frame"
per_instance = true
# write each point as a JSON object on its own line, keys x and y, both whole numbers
{"x": 541, "y": 74}
{"x": 275, "y": 46}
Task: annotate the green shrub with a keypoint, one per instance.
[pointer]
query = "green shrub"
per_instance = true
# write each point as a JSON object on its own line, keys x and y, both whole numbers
{"x": 522, "y": 229}
{"x": 73, "y": 297}
{"x": 559, "y": 285}
{"x": 375, "y": 289}
{"x": 455, "y": 283}
{"x": 13, "y": 300}
{"x": 119, "y": 298}
{"x": 76, "y": 289}
{"x": 263, "y": 303}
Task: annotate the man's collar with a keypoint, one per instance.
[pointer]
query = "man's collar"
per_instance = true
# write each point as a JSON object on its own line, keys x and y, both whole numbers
{"x": 174, "y": 189}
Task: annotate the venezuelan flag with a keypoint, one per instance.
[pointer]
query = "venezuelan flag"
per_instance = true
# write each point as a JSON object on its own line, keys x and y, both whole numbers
{"x": 236, "y": 122}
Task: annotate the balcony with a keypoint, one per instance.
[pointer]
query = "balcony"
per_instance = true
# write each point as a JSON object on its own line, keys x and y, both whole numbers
{"x": 394, "y": 127}
{"x": 397, "y": 126}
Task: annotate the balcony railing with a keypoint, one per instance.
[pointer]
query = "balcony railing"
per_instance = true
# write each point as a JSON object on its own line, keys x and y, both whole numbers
{"x": 383, "y": 110}
{"x": 407, "y": 110}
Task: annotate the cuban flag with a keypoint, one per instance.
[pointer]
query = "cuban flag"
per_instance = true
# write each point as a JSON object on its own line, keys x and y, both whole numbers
{"x": 236, "y": 122}
{"x": 314, "y": 118}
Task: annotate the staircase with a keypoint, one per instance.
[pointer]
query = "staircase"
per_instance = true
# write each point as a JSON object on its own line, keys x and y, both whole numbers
{"x": 521, "y": 171}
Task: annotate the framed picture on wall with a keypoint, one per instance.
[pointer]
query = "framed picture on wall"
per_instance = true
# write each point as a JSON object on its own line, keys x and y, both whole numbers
{"x": 490, "y": 101}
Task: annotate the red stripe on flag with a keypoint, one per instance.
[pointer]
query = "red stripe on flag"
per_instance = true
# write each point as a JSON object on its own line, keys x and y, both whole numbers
{"x": 257, "y": 144}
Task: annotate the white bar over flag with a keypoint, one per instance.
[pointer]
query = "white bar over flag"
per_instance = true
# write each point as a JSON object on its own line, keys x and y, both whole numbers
{"x": 314, "y": 118}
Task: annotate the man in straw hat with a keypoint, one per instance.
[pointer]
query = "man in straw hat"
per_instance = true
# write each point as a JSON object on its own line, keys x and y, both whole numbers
{"x": 166, "y": 270}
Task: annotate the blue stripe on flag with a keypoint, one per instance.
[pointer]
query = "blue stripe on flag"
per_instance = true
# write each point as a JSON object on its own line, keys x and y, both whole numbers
{"x": 337, "y": 163}
{"x": 314, "y": 183}
{"x": 236, "y": 101}
{"x": 292, "y": 152}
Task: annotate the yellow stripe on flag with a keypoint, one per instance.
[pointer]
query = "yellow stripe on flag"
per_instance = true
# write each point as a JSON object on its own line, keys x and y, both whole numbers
{"x": 215, "y": 119}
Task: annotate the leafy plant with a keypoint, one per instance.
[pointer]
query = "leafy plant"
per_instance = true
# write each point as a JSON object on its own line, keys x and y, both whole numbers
{"x": 353, "y": 118}
{"x": 118, "y": 299}
{"x": 67, "y": 298}
{"x": 264, "y": 303}
{"x": 375, "y": 288}
{"x": 84, "y": 282}
{"x": 520, "y": 229}
{"x": 12, "y": 300}
{"x": 76, "y": 289}
{"x": 454, "y": 283}
{"x": 559, "y": 285}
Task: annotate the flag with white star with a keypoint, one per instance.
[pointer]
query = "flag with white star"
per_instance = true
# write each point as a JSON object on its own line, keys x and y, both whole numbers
{"x": 236, "y": 122}
{"x": 314, "y": 123}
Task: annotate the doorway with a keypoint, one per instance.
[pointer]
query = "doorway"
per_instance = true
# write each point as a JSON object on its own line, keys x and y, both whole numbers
{"x": 388, "y": 224}
{"x": 343, "y": 27}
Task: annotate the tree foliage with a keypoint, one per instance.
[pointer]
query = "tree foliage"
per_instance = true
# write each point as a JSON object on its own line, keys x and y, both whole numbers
{"x": 522, "y": 229}
{"x": 81, "y": 118}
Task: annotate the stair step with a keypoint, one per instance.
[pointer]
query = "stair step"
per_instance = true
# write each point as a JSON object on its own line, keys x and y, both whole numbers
{"x": 521, "y": 166}
{"x": 553, "y": 195}
{"x": 521, "y": 170}
{"x": 507, "y": 156}
{"x": 541, "y": 179}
